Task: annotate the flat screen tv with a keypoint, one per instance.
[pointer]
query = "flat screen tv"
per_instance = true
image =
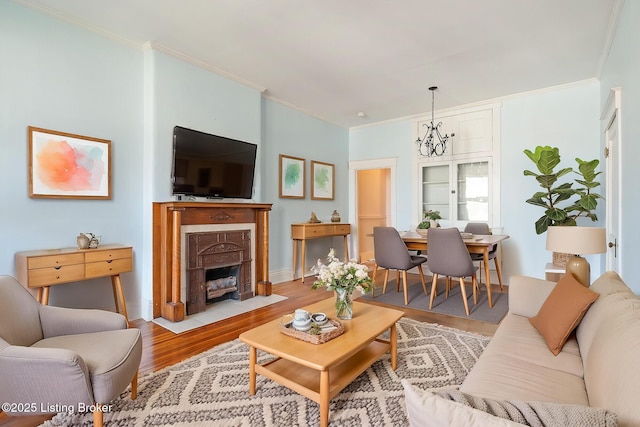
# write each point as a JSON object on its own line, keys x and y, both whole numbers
{"x": 212, "y": 166}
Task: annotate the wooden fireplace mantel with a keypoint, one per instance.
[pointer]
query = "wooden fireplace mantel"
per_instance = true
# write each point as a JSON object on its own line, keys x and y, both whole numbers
{"x": 168, "y": 217}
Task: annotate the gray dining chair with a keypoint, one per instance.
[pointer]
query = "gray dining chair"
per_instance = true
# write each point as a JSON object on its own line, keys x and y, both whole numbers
{"x": 391, "y": 253}
{"x": 448, "y": 256}
{"x": 482, "y": 229}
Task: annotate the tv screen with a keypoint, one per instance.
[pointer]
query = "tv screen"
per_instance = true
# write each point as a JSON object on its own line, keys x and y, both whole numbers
{"x": 206, "y": 165}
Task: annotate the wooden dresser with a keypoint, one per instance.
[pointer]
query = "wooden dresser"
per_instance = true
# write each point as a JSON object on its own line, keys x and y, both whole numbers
{"x": 41, "y": 269}
{"x": 302, "y": 232}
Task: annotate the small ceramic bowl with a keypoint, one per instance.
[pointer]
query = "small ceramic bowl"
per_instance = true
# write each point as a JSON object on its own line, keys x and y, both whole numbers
{"x": 319, "y": 318}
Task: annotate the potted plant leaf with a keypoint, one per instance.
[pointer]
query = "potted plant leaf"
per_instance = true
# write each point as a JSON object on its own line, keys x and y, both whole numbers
{"x": 562, "y": 202}
{"x": 430, "y": 219}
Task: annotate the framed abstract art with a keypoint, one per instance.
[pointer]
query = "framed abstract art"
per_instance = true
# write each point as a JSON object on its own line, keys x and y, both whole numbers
{"x": 292, "y": 182}
{"x": 322, "y": 185}
{"x": 67, "y": 166}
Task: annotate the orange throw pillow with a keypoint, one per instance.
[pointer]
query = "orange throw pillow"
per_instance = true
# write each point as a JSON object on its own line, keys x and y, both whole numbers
{"x": 562, "y": 311}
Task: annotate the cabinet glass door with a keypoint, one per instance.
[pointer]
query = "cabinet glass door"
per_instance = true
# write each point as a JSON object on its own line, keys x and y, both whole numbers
{"x": 473, "y": 191}
{"x": 460, "y": 190}
{"x": 436, "y": 189}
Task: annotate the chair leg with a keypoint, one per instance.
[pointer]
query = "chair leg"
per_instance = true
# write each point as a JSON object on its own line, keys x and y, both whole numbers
{"x": 373, "y": 286}
{"x": 404, "y": 284}
{"x": 498, "y": 270}
{"x": 447, "y": 288}
{"x": 97, "y": 418}
{"x": 464, "y": 296}
{"x": 397, "y": 280}
{"x": 424, "y": 285}
{"x": 476, "y": 289}
{"x": 134, "y": 387}
{"x": 386, "y": 279}
{"x": 434, "y": 286}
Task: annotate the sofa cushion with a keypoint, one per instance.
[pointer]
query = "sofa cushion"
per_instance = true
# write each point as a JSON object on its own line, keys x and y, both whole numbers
{"x": 562, "y": 311}
{"x": 611, "y": 371}
{"x": 424, "y": 409}
{"x": 532, "y": 413}
{"x": 611, "y": 288}
{"x": 517, "y": 338}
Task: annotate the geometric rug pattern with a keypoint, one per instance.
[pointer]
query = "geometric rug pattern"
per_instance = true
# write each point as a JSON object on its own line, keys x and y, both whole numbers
{"x": 212, "y": 388}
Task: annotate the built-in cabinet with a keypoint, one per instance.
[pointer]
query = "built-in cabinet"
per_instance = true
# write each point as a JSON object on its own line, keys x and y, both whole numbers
{"x": 462, "y": 184}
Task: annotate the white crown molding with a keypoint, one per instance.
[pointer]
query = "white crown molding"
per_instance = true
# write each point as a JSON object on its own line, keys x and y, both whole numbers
{"x": 488, "y": 103}
{"x": 78, "y": 22}
{"x": 184, "y": 57}
{"x": 614, "y": 19}
{"x": 135, "y": 45}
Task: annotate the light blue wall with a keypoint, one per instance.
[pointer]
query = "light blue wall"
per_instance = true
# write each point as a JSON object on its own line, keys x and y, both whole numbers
{"x": 59, "y": 77}
{"x": 567, "y": 118}
{"x": 386, "y": 141}
{"x": 293, "y": 133}
{"x": 622, "y": 70}
{"x": 65, "y": 78}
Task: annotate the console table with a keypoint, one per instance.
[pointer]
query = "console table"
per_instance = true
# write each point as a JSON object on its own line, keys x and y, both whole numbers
{"x": 41, "y": 269}
{"x": 305, "y": 231}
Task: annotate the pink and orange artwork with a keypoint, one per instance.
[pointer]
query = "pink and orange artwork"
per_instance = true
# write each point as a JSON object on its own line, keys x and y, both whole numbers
{"x": 64, "y": 165}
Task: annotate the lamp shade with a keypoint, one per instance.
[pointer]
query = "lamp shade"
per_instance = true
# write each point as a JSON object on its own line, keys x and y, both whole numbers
{"x": 576, "y": 240}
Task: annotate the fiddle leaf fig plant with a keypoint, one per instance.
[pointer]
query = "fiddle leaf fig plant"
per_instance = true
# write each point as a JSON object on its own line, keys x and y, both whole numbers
{"x": 563, "y": 203}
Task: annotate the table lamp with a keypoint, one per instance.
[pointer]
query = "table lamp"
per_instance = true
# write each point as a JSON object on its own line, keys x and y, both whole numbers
{"x": 577, "y": 241}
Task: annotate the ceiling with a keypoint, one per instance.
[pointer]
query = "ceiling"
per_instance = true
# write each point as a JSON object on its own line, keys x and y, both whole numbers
{"x": 335, "y": 58}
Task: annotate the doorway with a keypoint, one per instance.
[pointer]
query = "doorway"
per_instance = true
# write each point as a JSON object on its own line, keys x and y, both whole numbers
{"x": 373, "y": 183}
{"x": 611, "y": 118}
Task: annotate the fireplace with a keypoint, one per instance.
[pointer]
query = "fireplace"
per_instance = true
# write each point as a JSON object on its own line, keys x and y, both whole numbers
{"x": 218, "y": 266}
{"x": 172, "y": 220}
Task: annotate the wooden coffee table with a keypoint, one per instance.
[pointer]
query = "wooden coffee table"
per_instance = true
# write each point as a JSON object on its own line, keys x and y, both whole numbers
{"x": 320, "y": 371}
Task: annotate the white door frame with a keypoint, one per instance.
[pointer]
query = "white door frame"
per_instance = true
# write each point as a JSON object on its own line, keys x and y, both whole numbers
{"x": 356, "y": 165}
{"x": 611, "y": 115}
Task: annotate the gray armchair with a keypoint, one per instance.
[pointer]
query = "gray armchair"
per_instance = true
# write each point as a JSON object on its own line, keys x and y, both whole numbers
{"x": 55, "y": 355}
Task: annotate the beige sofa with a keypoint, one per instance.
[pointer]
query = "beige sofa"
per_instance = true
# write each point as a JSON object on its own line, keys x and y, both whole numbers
{"x": 599, "y": 366}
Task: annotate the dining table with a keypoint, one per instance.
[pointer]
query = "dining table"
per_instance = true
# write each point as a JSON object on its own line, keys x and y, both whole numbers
{"x": 476, "y": 244}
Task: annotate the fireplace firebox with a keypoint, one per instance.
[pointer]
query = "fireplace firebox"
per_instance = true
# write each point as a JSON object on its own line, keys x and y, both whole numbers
{"x": 218, "y": 267}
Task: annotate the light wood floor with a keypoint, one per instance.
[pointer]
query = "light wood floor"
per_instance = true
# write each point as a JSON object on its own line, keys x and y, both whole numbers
{"x": 163, "y": 348}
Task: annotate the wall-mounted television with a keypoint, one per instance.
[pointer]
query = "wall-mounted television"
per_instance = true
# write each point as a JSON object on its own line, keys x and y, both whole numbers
{"x": 206, "y": 165}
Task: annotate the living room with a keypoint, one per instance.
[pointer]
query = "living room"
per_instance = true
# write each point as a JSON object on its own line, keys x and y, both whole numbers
{"x": 62, "y": 76}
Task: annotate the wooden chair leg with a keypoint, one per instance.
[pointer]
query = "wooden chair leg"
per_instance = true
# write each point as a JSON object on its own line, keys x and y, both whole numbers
{"x": 464, "y": 296}
{"x": 386, "y": 279}
{"x": 373, "y": 276}
{"x": 404, "y": 284}
{"x": 97, "y": 418}
{"x": 424, "y": 285}
{"x": 476, "y": 289}
{"x": 134, "y": 387}
{"x": 434, "y": 286}
{"x": 397, "y": 280}
{"x": 498, "y": 270}
{"x": 447, "y": 288}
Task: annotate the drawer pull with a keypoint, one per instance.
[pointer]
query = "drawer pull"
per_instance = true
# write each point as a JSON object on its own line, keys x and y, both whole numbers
{"x": 109, "y": 261}
{"x": 58, "y": 267}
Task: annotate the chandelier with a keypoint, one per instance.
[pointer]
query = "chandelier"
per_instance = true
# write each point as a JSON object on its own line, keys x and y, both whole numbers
{"x": 427, "y": 146}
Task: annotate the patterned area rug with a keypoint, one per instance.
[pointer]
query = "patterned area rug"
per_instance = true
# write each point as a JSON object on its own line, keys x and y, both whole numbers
{"x": 451, "y": 306}
{"x": 212, "y": 389}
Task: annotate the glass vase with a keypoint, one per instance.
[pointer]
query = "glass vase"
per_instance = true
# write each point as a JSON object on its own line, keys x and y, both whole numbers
{"x": 344, "y": 304}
